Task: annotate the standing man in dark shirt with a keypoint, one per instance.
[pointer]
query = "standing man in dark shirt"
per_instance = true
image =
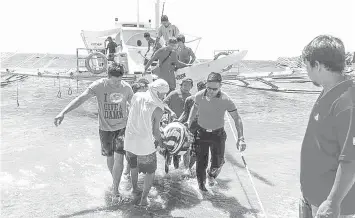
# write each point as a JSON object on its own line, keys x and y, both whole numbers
{"x": 168, "y": 63}
{"x": 111, "y": 48}
{"x": 327, "y": 173}
{"x": 190, "y": 156}
{"x": 211, "y": 105}
{"x": 185, "y": 54}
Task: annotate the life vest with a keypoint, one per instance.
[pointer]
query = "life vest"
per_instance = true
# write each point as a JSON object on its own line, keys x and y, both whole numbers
{"x": 177, "y": 138}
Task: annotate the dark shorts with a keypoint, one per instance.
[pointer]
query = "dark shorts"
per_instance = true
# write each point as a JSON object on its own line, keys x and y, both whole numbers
{"x": 112, "y": 141}
{"x": 145, "y": 163}
{"x": 111, "y": 56}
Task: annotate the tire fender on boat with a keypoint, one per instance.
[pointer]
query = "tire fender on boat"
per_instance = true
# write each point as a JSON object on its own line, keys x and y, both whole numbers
{"x": 223, "y": 53}
{"x": 101, "y": 69}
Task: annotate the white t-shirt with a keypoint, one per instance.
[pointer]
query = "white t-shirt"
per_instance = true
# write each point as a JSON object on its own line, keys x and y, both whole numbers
{"x": 139, "y": 138}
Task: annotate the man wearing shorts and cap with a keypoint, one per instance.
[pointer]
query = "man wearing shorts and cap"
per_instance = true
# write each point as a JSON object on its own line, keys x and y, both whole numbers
{"x": 327, "y": 172}
{"x": 142, "y": 131}
{"x": 113, "y": 94}
{"x": 211, "y": 105}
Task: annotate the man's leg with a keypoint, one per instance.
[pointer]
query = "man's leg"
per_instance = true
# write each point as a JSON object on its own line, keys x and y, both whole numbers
{"x": 133, "y": 162}
{"x": 119, "y": 156}
{"x": 149, "y": 167}
{"x": 217, "y": 156}
{"x": 202, "y": 150}
{"x": 106, "y": 138}
{"x": 117, "y": 171}
{"x": 110, "y": 162}
{"x": 176, "y": 161}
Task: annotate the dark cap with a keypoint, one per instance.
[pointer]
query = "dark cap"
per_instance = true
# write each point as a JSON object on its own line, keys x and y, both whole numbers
{"x": 214, "y": 77}
{"x": 187, "y": 80}
{"x": 164, "y": 18}
{"x": 180, "y": 38}
{"x": 201, "y": 85}
{"x": 172, "y": 40}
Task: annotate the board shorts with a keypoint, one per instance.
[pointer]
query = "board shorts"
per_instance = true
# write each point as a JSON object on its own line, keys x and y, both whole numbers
{"x": 112, "y": 141}
{"x": 145, "y": 163}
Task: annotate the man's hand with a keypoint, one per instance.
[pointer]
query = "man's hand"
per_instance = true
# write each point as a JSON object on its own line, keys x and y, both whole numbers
{"x": 58, "y": 119}
{"x": 173, "y": 115}
{"x": 241, "y": 145}
{"x": 188, "y": 124}
{"x": 328, "y": 210}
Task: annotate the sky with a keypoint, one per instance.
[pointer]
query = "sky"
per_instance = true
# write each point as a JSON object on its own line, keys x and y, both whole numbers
{"x": 266, "y": 28}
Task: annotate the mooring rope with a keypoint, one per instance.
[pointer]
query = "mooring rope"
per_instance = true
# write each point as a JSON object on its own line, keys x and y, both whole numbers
{"x": 59, "y": 94}
{"x": 246, "y": 167}
{"x": 70, "y": 91}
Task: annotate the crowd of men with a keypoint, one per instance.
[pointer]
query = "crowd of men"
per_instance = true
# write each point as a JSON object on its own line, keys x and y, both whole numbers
{"x": 130, "y": 123}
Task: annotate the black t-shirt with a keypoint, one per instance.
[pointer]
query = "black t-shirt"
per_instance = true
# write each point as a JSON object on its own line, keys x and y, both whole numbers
{"x": 111, "y": 47}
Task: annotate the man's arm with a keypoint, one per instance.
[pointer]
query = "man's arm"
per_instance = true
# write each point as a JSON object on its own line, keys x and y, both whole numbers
{"x": 177, "y": 31}
{"x": 193, "y": 113}
{"x": 186, "y": 112}
{"x": 344, "y": 181}
{"x": 77, "y": 101}
{"x": 156, "y": 117}
{"x": 193, "y": 56}
{"x": 345, "y": 176}
{"x": 237, "y": 122}
{"x": 177, "y": 62}
{"x": 232, "y": 110}
{"x": 155, "y": 56}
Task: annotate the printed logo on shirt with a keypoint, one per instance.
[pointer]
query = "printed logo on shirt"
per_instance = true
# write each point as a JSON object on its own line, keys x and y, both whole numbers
{"x": 116, "y": 97}
{"x": 113, "y": 109}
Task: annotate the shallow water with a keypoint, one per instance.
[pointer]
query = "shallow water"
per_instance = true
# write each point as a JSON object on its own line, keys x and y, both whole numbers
{"x": 49, "y": 171}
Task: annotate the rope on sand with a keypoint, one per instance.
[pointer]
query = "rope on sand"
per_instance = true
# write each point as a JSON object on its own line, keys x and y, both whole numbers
{"x": 246, "y": 167}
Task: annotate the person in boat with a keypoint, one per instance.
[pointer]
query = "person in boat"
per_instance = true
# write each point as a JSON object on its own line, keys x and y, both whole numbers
{"x": 167, "y": 30}
{"x": 113, "y": 96}
{"x": 175, "y": 101}
{"x": 327, "y": 159}
{"x": 152, "y": 43}
{"x": 110, "y": 49}
{"x": 185, "y": 54}
{"x": 211, "y": 105}
{"x": 190, "y": 156}
{"x": 143, "y": 129}
{"x": 168, "y": 63}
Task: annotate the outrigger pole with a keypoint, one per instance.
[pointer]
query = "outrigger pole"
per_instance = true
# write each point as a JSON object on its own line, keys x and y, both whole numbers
{"x": 246, "y": 167}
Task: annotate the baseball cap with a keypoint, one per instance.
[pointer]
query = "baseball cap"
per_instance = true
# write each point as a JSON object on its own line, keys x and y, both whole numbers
{"x": 164, "y": 18}
{"x": 187, "y": 80}
{"x": 214, "y": 77}
{"x": 201, "y": 85}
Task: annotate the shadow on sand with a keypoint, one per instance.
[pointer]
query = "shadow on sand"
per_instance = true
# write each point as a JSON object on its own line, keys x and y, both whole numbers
{"x": 171, "y": 193}
{"x": 234, "y": 162}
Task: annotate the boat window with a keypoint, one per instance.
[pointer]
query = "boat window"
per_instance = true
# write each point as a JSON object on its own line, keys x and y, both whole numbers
{"x": 139, "y": 42}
